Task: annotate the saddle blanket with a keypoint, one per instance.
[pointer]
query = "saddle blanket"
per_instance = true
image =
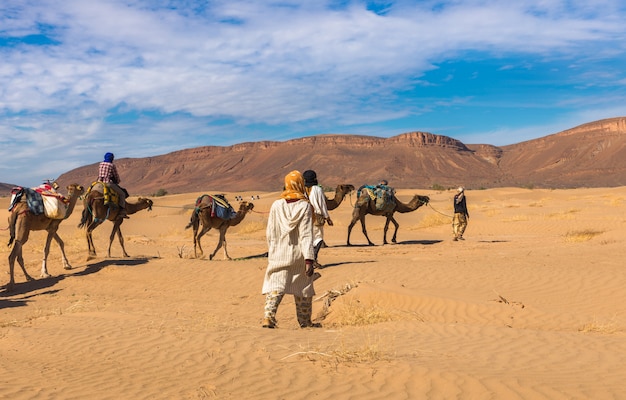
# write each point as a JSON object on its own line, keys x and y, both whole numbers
{"x": 220, "y": 207}
{"x": 383, "y": 196}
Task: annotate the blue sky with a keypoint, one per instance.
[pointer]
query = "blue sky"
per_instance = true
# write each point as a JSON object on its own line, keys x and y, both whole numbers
{"x": 142, "y": 78}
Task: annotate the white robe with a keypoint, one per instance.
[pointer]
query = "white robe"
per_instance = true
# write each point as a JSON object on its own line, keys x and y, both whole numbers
{"x": 290, "y": 241}
{"x": 318, "y": 201}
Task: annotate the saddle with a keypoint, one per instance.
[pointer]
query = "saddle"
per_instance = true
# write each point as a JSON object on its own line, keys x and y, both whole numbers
{"x": 43, "y": 199}
{"x": 220, "y": 207}
{"x": 111, "y": 198}
{"x": 382, "y": 195}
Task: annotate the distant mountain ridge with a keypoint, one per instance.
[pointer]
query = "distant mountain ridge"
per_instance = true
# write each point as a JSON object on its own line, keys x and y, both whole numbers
{"x": 589, "y": 155}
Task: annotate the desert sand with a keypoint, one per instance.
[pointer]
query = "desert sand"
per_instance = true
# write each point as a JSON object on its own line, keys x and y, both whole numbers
{"x": 531, "y": 305}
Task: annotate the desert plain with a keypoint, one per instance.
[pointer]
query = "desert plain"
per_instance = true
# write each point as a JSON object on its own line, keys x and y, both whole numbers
{"x": 532, "y": 305}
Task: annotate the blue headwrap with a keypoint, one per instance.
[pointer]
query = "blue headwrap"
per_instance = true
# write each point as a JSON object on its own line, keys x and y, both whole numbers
{"x": 108, "y": 157}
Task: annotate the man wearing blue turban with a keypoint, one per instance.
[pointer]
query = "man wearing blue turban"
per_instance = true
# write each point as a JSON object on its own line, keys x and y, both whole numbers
{"x": 107, "y": 173}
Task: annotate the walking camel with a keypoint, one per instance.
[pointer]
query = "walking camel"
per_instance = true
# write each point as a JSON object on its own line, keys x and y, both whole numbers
{"x": 22, "y": 221}
{"x": 340, "y": 193}
{"x": 205, "y": 218}
{"x": 95, "y": 212}
{"x": 366, "y": 205}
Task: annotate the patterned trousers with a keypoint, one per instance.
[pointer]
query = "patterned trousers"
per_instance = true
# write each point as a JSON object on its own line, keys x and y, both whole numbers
{"x": 304, "y": 307}
{"x": 459, "y": 223}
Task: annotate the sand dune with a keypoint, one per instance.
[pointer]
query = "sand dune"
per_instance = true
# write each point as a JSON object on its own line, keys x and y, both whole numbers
{"x": 529, "y": 306}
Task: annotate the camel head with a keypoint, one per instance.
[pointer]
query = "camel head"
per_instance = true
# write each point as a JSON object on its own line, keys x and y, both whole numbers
{"x": 346, "y": 188}
{"x": 75, "y": 190}
{"x": 146, "y": 201}
{"x": 244, "y": 206}
{"x": 421, "y": 200}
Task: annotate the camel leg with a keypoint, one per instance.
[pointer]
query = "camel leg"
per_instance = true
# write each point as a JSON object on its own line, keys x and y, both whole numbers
{"x": 46, "y": 251}
{"x": 89, "y": 234}
{"x": 117, "y": 231}
{"x": 350, "y": 230}
{"x": 66, "y": 263}
{"x": 385, "y": 231}
{"x": 221, "y": 242}
{"x": 197, "y": 239}
{"x": 395, "y": 232}
{"x": 369, "y": 242}
{"x": 195, "y": 242}
{"x": 16, "y": 253}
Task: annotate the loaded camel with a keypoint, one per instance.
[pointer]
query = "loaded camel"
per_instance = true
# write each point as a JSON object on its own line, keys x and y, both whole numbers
{"x": 95, "y": 212}
{"x": 205, "y": 218}
{"x": 340, "y": 193}
{"x": 22, "y": 221}
{"x": 366, "y": 205}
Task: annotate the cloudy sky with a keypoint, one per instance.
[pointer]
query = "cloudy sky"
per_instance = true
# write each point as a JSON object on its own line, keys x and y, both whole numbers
{"x": 146, "y": 77}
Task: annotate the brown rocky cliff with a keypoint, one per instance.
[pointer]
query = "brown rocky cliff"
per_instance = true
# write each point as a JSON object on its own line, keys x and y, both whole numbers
{"x": 592, "y": 154}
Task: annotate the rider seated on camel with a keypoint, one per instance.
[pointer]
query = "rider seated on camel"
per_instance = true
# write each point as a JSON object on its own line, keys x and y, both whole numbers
{"x": 107, "y": 173}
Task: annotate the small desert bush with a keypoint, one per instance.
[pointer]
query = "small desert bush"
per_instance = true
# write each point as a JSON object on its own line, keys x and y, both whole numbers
{"x": 431, "y": 220}
{"x": 355, "y": 313}
{"x": 595, "y": 326}
{"x": 581, "y": 236}
{"x": 368, "y": 351}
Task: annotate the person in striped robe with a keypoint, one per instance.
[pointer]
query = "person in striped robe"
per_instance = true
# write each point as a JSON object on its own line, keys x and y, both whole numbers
{"x": 290, "y": 253}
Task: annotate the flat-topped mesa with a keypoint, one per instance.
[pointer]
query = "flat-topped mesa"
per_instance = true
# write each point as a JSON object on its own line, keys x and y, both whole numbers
{"x": 423, "y": 139}
{"x": 604, "y": 127}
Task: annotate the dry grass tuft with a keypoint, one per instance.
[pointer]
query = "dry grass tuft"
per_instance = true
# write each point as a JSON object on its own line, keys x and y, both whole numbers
{"x": 355, "y": 313}
{"x": 432, "y": 220}
{"x": 581, "y": 236}
{"x": 365, "y": 351}
{"x": 605, "y": 328}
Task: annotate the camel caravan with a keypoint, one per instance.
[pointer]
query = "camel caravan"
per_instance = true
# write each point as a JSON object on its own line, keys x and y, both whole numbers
{"x": 44, "y": 208}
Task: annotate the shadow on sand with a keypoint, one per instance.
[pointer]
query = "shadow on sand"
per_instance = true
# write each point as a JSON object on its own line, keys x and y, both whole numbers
{"x": 21, "y": 288}
{"x": 95, "y": 267}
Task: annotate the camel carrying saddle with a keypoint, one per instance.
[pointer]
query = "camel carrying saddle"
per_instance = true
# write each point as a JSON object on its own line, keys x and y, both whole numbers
{"x": 220, "y": 207}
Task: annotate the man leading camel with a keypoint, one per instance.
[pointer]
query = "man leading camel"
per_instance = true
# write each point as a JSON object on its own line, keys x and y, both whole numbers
{"x": 107, "y": 173}
{"x": 320, "y": 211}
{"x": 461, "y": 215}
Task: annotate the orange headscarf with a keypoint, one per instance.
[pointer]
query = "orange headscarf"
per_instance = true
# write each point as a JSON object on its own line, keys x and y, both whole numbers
{"x": 294, "y": 187}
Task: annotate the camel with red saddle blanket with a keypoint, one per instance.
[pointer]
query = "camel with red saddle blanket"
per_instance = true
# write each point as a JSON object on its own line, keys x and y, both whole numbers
{"x": 99, "y": 208}
{"x": 29, "y": 214}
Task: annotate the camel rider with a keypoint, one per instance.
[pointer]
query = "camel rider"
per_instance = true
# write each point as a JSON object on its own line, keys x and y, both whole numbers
{"x": 320, "y": 211}
{"x": 107, "y": 173}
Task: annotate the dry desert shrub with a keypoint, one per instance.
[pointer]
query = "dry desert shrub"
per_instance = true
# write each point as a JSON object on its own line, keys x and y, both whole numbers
{"x": 581, "y": 236}
{"x": 595, "y": 326}
{"x": 564, "y": 215}
{"x": 355, "y": 313}
{"x": 432, "y": 220}
{"x": 368, "y": 350}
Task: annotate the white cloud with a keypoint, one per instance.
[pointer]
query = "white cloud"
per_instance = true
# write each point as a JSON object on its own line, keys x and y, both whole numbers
{"x": 253, "y": 62}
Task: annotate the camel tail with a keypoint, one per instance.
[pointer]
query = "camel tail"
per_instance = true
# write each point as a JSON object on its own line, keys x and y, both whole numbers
{"x": 85, "y": 219}
{"x": 194, "y": 221}
{"x": 12, "y": 223}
